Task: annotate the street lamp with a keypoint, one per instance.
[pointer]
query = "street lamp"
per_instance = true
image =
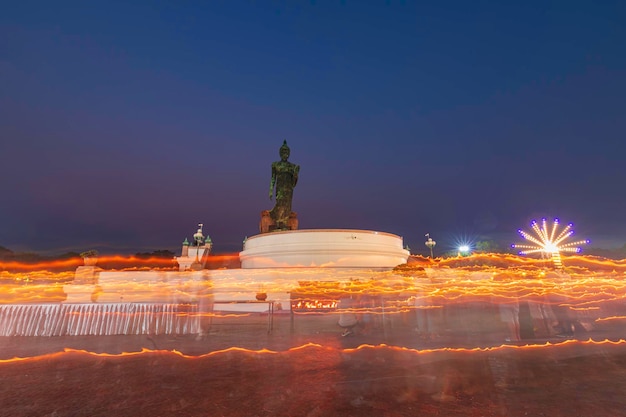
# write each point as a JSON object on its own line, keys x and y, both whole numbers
{"x": 464, "y": 250}
{"x": 430, "y": 244}
{"x": 198, "y": 237}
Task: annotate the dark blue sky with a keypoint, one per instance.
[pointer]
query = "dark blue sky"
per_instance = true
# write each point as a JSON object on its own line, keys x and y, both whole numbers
{"x": 123, "y": 124}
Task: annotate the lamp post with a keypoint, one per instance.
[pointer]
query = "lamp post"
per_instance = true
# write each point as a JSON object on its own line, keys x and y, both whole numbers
{"x": 198, "y": 237}
{"x": 430, "y": 244}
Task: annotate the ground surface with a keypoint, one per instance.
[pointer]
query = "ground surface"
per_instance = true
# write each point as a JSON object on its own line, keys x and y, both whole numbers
{"x": 305, "y": 368}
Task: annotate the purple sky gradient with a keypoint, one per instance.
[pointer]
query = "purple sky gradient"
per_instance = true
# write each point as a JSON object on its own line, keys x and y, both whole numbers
{"x": 124, "y": 124}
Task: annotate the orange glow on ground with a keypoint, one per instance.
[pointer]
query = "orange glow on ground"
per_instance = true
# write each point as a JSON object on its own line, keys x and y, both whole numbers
{"x": 584, "y": 285}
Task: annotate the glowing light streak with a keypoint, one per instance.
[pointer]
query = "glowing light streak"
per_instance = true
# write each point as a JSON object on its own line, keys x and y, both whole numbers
{"x": 314, "y": 305}
{"x": 585, "y": 308}
{"x": 564, "y": 345}
{"x": 613, "y": 318}
{"x": 584, "y": 287}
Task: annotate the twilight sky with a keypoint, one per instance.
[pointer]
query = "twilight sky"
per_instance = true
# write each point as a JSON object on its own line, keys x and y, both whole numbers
{"x": 124, "y": 124}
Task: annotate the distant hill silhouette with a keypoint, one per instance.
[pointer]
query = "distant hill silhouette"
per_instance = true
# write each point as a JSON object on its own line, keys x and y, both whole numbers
{"x": 31, "y": 257}
{"x": 69, "y": 261}
{"x": 5, "y": 252}
{"x": 619, "y": 253}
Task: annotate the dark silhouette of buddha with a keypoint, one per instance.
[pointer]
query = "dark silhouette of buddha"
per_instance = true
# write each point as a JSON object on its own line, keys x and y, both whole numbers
{"x": 284, "y": 180}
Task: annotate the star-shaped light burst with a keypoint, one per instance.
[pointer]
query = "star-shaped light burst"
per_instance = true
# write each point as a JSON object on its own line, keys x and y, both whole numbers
{"x": 549, "y": 240}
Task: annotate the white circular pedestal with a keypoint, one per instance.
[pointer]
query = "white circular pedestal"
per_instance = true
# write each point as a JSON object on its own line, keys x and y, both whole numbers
{"x": 338, "y": 248}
